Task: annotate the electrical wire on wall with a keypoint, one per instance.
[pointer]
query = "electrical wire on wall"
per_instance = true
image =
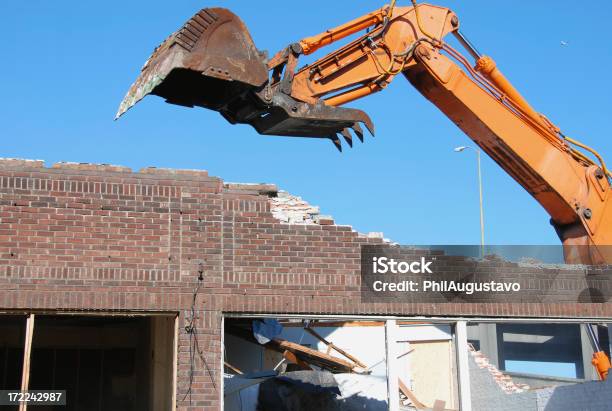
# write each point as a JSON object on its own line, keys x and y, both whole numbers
{"x": 194, "y": 346}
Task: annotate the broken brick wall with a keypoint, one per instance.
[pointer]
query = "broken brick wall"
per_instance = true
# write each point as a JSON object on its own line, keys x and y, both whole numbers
{"x": 491, "y": 389}
{"x": 81, "y": 237}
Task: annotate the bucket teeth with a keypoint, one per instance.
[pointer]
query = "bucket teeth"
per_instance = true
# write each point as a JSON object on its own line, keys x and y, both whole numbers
{"x": 347, "y": 136}
{"x": 336, "y": 140}
{"x": 370, "y": 126}
{"x": 358, "y": 131}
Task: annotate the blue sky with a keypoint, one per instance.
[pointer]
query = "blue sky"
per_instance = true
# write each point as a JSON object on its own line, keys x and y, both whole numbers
{"x": 67, "y": 64}
{"x": 554, "y": 369}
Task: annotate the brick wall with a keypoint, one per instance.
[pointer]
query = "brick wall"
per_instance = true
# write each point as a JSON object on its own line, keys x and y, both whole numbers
{"x": 99, "y": 237}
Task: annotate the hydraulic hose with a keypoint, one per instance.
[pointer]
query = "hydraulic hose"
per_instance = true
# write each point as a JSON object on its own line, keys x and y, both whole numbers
{"x": 418, "y": 19}
{"x": 590, "y": 150}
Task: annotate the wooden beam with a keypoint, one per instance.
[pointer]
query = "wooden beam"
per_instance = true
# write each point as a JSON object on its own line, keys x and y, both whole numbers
{"x": 334, "y": 347}
{"x": 410, "y": 395}
{"x": 27, "y": 355}
{"x": 293, "y": 359}
{"x": 314, "y": 357}
{"x": 231, "y": 367}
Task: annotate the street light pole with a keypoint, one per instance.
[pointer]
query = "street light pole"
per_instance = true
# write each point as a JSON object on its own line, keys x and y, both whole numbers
{"x": 482, "y": 240}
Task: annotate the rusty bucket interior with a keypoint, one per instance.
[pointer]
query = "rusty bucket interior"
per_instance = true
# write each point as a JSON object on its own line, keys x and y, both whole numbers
{"x": 205, "y": 63}
{"x": 212, "y": 62}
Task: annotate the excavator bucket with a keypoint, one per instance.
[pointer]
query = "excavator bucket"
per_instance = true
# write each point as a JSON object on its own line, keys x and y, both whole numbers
{"x": 212, "y": 62}
{"x": 207, "y": 62}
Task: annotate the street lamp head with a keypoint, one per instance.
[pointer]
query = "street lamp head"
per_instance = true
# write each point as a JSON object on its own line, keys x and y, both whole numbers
{"x": 460, "y": 149}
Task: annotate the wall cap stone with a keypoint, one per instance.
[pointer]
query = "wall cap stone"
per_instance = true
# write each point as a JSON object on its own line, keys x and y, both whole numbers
{"x": 173, "y": 172}
{"x": 270, "y": 190}
{"x": 68, "y": 165}
{"x": 21, "y": 163}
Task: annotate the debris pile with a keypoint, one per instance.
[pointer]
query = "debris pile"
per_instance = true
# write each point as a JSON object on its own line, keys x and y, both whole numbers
{"x": 300, "y": 376}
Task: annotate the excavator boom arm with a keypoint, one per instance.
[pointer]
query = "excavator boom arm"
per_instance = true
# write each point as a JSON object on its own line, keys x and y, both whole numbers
{"x": 369, "y": 63}
{"x": 574, "y": 190}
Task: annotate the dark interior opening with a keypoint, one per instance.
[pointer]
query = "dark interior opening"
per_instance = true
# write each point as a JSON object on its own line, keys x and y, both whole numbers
{"x": 116, "y": 363}
{"x": 12, "y": 334}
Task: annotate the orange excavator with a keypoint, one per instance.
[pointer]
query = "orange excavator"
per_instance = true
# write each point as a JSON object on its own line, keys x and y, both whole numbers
{"x": 212, "y": 62}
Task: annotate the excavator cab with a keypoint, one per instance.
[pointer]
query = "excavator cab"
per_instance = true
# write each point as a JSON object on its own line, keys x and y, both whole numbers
{"x": 212, "y": 62}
